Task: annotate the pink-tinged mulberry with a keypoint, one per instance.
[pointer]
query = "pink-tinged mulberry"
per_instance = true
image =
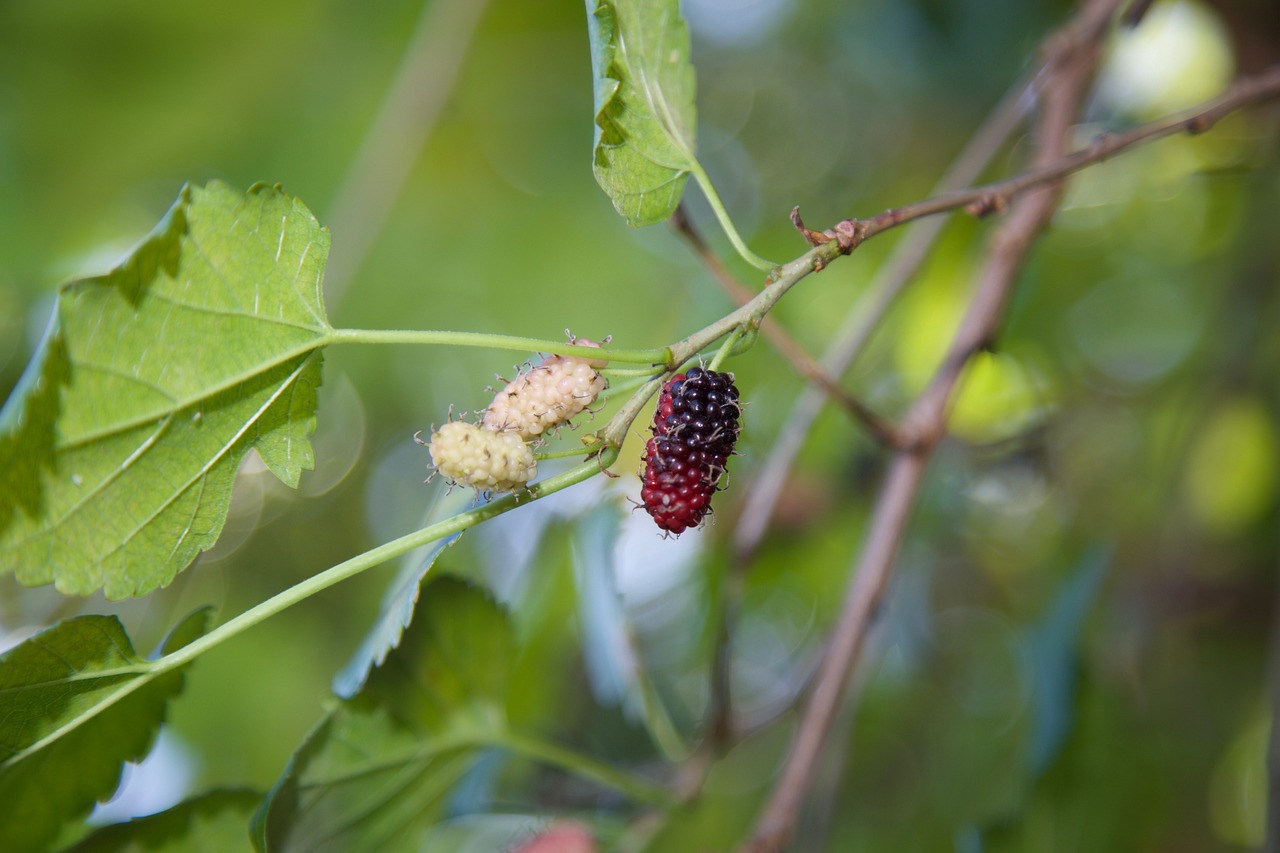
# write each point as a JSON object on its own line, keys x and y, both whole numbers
{"x": 694, "y": 431}
{"x": 474, "y": 456}
{"x": 553, "y": 391}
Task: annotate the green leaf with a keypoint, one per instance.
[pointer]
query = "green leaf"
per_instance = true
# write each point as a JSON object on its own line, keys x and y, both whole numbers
{"x": 644, "y": 105}
{"x": 76, "y": 702}
{"x": 396, "y": 611}
{"x": 459, "y": 661}
{"x": 214, "y": 822}
{"x": 645, "y": 113}
{"x": 376, "y": 771}
{"x": 119, "y": 447}
{"x": 361, "y": 782}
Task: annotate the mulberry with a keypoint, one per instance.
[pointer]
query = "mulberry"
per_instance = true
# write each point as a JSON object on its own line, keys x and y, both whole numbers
{"x": 695, "y": 429}
{"x": 551, "y": 393}
{"x": 487, "y": 460}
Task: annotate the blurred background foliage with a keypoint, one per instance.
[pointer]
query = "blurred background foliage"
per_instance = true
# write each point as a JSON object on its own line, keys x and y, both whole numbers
{"x": 1074, "y": 653}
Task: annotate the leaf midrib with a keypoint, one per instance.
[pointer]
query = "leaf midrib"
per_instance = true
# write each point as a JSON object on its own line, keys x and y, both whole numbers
{"x": 181, "y": 404}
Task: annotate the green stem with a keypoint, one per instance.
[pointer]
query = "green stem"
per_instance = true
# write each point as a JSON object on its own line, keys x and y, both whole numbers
{"x": 713, "y": 198}
{"x": 748, "y": 316}
{"x": 145, "y": 673}
{"x": 629, "y": 384}
{"x": 726, "y": 348}
{"x": 615, "y": 432}
{"x": 783, "y": 279}
{"x": 476, "y": 339}
{"x": 587, "y": 767}
{"x": 377, "y": 556}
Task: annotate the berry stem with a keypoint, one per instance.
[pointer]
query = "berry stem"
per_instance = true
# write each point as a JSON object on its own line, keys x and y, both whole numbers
{"x": 662, "y": 355}
{"x": 727, "y": 348}
{"x": 783, "y": 279}
{"x": 630, "y": 383}
{"x": 615, "y": 432}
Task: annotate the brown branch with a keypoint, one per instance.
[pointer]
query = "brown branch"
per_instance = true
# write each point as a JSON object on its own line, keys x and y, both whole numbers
{"x": 1063, "y": 95}
{"x": 863, "y": 320}
{"x": 780, "y": 339}
{"x": 848, "y": 343}
{"x": 759, "y": 508}
{"x": 861, "y": 323}
{"x": 996, "y": 197}
{"x": 893, "y": 507}
{"x": 1049, "y": 166}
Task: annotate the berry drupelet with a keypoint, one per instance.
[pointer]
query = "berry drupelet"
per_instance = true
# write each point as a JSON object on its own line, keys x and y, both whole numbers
{"x": 694, "y": 431}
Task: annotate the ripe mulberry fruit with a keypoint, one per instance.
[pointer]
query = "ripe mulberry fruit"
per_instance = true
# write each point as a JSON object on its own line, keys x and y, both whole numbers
{"x": 487, "y": 460}
{"x": 694, "y": 431}
{"x": 552, "y": 392}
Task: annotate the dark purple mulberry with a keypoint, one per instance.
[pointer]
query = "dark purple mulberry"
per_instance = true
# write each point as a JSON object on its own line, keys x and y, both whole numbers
{"x": 694, "y": 431}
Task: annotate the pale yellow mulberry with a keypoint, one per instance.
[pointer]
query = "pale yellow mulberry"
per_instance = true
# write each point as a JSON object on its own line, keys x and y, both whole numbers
{"x": 474, "y": 456}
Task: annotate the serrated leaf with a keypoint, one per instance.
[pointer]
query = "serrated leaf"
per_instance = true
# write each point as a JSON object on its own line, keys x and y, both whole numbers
{"x": 458, "y": 655}
{"x": 396, "y": 610}
{"x": 76, "y": 702}
{"x": 645, "y": 113}
{"x": 119, "y": 447}
{"x": 376, "y": 772}
{"x": 214, "y": 822}
{"x": 361, "y": 782}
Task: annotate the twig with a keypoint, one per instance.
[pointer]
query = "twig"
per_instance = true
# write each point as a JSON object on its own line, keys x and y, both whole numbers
{"x": 780, "y": 339}
{"x": 866, "y": 317}
{"x": 860, "y": 325}
{"x": 897, "y": 497}
{"x": 405, "y": 120}
{"x": 927, "y": 417}
{"x": 850, "y": 340}
{"x": 786, "y": 276}
{"x": 996, "y": 197}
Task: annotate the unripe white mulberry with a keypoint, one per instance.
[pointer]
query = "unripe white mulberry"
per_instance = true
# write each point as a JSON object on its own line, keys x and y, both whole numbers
{"x": 487, "y": 460}
{"x": 551, "y": 393}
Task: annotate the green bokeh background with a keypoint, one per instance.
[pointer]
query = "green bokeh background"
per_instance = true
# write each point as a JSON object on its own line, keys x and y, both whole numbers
{"x": 1075, "y": 649}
